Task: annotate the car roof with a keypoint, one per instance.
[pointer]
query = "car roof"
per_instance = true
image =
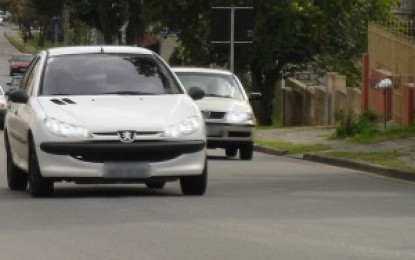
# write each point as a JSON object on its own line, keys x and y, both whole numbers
{"x": 96, "y": 49}
{"x": 202, "y": 70}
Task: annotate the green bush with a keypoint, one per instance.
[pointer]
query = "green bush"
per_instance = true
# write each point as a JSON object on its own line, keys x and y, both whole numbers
{"x": 349, "y": 124}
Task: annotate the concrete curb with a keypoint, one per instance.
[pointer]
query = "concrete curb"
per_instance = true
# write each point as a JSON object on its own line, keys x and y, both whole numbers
{"x": 271, "y": 151}
{"x": 361, "y": 166}
{"x": 350, "y": 164}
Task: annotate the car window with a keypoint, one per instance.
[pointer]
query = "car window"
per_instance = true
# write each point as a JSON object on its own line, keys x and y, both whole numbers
{"x": 34, "y": 66}
{"x": 100, "y": 74}
{"x": 27, "y": 79}
{"x": 213, "y": 84}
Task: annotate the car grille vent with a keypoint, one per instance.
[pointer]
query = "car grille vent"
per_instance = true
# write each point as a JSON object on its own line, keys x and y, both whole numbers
{"x": 64, "y": 101}
{"x": 239, "y": 134}
{"x": 69, "y": 101}
{"x": 58, "y": 102}
{"x": 142, "y": 133}
{"x": 213, "y": 115}
{"x": 100, "y": 157}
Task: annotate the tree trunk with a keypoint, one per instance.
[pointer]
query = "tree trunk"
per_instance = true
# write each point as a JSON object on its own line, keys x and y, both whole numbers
{"x": 265, "y": 82}
{"x": 103, "y": 19}
{"x": 135, "y": 28}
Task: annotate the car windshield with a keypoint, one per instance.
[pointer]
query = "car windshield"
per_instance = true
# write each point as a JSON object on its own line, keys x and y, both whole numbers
{"x": 22, "y": 58}
{"x": 107, "y": 74}
{"x": 214, "y": 85}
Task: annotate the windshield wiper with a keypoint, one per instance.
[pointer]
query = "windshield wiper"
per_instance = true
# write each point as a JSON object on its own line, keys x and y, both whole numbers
{"x": 127, "y": 92}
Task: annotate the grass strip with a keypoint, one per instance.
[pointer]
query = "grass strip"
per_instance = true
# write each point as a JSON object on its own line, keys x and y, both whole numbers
{"x": 15, "y": 43}
{"x": 370, "y": 137}
{"x": 293, "y": 148}
{"x": 387, "y": 159}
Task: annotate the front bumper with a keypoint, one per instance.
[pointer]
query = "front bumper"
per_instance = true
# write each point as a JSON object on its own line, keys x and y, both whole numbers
{"x": 77, "y": 161}
{"x": 220, "y": 135}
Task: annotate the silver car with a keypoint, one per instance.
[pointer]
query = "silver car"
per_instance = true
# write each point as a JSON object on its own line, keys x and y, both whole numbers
{"x": 228, "y": 114}
{"x": 103, "y": 114}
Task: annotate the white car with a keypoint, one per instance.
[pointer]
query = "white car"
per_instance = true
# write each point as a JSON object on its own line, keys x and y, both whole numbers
{"x": 3, "y": 107}
{"x": 103, "y": 114}
{"x": 228, "y": 114}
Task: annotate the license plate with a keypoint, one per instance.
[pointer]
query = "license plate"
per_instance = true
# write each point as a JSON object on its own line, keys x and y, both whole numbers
{"x": 127, "y": 170}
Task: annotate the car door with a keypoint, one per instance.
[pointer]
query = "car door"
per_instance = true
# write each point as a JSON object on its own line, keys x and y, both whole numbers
{"x": 20, "y": 116}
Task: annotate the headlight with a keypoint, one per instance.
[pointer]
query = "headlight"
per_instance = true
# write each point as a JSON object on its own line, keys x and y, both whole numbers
{"x": 59, "y": 128}
{"x": 239, "y": 117}
{"x": 185, "y": 127}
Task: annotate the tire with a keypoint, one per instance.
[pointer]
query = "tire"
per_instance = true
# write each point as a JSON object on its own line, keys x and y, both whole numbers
{"x": 156, "y": 185}
{"x": 231, "y": 151}
{"x": 246, "y": 152}
{"x": 194, "y": 185}
{"x": 38, "y": 186}
{"x": 16, "y": 178}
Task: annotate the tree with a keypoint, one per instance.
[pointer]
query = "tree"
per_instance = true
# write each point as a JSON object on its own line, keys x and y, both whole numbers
{"x": 108, "y": 16}
{"x": 288, "y": 35}
{"x": 47, "y": 12}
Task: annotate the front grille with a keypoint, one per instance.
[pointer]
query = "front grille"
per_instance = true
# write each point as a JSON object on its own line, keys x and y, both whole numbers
{"x": 97, "y": 157}
{"x": 144, "y": 151}
{"x": 213, "y": 115}
{"x": 239, "y": 134}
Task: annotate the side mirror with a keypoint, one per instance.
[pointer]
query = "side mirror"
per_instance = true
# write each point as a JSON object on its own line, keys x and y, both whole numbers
{"x": 18, "y": 96}
{"x": 253, "y": 96}
{"x": 196, "y": 93}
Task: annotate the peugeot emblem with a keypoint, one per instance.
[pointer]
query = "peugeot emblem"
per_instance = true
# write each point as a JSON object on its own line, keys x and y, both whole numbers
{"x": 126, "y": 136}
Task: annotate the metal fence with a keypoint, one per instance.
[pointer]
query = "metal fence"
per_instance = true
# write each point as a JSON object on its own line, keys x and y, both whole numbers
{"x": 401, "y": 27}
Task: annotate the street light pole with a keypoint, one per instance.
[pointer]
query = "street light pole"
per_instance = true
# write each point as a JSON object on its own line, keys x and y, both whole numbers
{"x": 232, "y": 40}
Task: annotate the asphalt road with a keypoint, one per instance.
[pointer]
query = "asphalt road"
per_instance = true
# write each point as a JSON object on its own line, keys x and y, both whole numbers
{"x": 269, "y": 208}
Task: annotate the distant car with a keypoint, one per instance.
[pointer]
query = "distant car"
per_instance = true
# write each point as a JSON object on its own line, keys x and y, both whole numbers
{"x": 19, "y": 63}
{"x": 15, "y": 82}
{"x": 3, "y": 107}
{"x": 103, "y": 114}
{"x": 228, "y": 114}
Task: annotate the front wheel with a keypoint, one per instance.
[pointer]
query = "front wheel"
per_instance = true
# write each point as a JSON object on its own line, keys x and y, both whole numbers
{"x": 38, "y": 186}
{"x": 231, "y": 151}
{"x": 16, "y": 178}
{"x": 194, "y": 185}
{"x": 246, "y": 152}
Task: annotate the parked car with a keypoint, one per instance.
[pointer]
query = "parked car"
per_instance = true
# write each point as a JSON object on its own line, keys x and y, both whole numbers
{"x": 3, "y": 107}
{"x": 19, "y": 63}
{"x": 228, "y": 114}
{"x": 15, "y": 82}
{"x": 110, "y": 114}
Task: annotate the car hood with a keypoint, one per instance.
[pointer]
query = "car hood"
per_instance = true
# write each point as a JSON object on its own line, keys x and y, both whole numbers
{"x": 111, "y": 113}
{"x": 219, "y": 104}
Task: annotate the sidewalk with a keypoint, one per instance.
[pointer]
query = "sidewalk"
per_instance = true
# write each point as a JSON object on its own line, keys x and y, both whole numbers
{"x": 321, "y": 135}
{"x": 13, "y": 35}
